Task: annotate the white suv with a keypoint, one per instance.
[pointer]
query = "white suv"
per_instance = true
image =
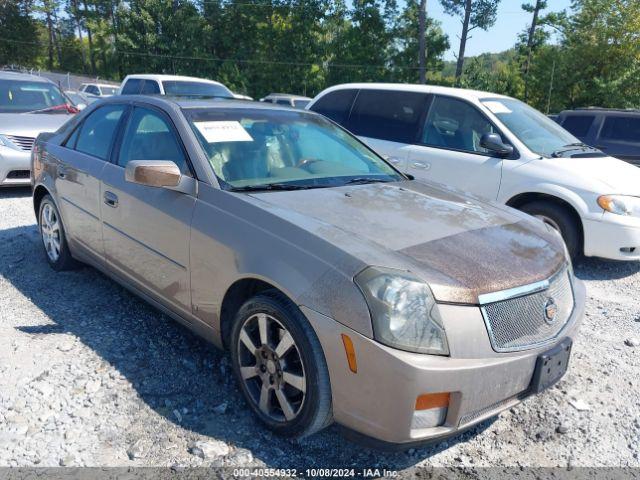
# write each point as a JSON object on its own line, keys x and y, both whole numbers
{"x": 149, "y": 84}
{"x": 500, "y": 149}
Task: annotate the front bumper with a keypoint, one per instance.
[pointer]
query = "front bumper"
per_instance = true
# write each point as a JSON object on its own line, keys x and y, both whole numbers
{"x": 379, "y": 400}
{"x": 15, "y": 167}
{"x": 613, "y": 237}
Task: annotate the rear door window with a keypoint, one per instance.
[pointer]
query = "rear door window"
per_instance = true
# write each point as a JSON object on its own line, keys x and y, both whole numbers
{"x": 621, "y": 129}
{"x": 98, "y": 130}
{"x": 578, "y": 125}
{"x": 388, "y": 115}
{"x": 335, "y": 105}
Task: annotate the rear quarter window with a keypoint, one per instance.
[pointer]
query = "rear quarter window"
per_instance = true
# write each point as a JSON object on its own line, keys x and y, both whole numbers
{"x": 132, "y": 87}
{"x": 335, "y": 105}
{"x": 387, "y": 115}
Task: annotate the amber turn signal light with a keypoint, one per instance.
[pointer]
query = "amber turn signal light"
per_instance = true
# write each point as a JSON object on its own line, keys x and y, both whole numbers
{"x": 432, "y": 400}
{"x": 351, "y": 353}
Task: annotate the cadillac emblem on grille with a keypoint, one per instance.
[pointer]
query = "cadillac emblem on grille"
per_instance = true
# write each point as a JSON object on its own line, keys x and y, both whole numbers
{"x": 550, "y": 311}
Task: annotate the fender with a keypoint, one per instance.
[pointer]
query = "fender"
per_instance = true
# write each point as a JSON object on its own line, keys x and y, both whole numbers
{"x": 554, "y": 190}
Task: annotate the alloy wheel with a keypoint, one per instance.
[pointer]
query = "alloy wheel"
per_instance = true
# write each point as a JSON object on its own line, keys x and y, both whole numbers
{"x": 51, "y": 232}
{"x": 271, "y": 367}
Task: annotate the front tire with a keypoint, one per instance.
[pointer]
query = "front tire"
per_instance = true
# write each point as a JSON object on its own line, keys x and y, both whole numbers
{"x": 562, "y": 220}
{"x": 280, "y": 366}
{"x": 53, "y": 236}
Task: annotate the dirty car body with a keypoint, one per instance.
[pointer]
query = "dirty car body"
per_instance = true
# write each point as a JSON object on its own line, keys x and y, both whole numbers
{"x": 490, "y": 291}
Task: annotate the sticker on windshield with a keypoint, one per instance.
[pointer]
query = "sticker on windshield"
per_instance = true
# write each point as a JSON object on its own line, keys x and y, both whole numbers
{"x": 223, "y": 131}
{"x": 496, "y": 107}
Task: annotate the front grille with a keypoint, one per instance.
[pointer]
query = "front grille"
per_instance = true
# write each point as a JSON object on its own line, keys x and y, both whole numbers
{"x": 25, "y": 143}
{"x": 522, "y": 322}
{"x": 19, "y": 174}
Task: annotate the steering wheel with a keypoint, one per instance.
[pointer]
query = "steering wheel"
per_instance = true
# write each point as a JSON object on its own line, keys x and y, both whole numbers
{"x": 306, "y": 161}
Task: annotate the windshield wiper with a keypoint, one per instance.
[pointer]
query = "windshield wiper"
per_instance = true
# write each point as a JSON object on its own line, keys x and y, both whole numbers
{"x": 273, "y": 186}
{"x": 573, "y": 146}
{"x": 361, "y": 180}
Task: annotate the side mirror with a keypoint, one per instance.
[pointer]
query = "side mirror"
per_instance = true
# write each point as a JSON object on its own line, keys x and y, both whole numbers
{"x": 153, "y": 173}
{"x": 493, "y": 143}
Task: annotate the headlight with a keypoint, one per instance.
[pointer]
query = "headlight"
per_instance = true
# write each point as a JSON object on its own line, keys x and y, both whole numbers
{"x": 620, "y": 204}
{"x": 8, "y": 143}
{"x": 404, "y": 313}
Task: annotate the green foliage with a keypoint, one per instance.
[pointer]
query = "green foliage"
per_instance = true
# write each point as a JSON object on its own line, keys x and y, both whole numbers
{"x": 589, "y": 55}
{"x": 483, "y": 13}
{"x": 18, "y": 31}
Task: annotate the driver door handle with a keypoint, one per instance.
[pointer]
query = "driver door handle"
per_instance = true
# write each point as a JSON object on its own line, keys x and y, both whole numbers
{"x": 62, "y": 171}
{"x": 421, "y": 165}
{"x": 111, "y": 199}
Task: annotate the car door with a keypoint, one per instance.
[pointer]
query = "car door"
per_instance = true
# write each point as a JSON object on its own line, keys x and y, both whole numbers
{"x": 146, "y": 230}
{"x": 388, "y": 121}
{"x": 448, "y": 149}
{"x": 619, "y": 137}
{"x": 81, "y": 161}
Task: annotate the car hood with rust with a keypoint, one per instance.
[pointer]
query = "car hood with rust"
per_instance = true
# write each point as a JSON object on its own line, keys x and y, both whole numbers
{"x": 461, "y": 246}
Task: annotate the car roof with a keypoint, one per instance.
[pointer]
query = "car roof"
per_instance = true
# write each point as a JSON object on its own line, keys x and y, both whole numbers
{"x": 4, "y": 75}
{"x": 110, "y": 85}
{"x": 408, "y": 87}
{"x": 288, "y": 95}
{"x": 196, "y": 103}
{"x": 595, "y": 110}
{"x": 158, "y": 77}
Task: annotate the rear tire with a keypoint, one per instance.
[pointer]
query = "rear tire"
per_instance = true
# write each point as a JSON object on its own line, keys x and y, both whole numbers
{"x": 561, "y": 219}
{"x": 280, "y": 366}
{"x": 53, "y": 236}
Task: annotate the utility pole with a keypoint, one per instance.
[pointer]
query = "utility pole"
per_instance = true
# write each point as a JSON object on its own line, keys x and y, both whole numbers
{"x": 422, "y": 45}
{"x": 553, "y": 73}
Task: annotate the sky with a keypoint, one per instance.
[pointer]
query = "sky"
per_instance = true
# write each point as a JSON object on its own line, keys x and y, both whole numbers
{"x": 502, "y": 36}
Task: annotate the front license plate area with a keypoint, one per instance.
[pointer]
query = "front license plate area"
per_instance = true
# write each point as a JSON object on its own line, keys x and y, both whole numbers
{"x": 551, "y": 366}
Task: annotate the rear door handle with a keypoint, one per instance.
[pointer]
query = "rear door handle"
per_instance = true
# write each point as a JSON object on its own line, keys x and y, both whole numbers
{"x": 111, "y": 199}
{"x": 62, "y": 171}
{"x": 421, "y": 165}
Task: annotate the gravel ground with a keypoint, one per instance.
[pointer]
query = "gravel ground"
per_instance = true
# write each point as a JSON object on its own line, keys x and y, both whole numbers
{"x": 90, "y": 375}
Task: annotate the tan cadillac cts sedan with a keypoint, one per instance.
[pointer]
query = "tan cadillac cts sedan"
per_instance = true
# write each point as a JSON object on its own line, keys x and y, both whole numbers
{"x": 343, "y": 290}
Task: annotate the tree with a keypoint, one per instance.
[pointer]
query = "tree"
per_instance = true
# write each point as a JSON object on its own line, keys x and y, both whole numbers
{"x": 406, "y": 48}
{"x": 474, "y": 14}
{"x": 535, "y": 9}
{"x": 18, "y": 34}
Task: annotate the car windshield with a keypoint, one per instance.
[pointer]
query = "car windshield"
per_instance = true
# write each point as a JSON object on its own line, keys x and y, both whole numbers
{"x": 195, "y": 89}
{"x": 255, "y": 148}
{"x": 538, "y": 132}
{"x": 20, "y": 96}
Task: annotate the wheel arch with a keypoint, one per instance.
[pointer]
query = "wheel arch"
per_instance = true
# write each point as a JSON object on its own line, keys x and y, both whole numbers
{"x": 517, "y": 201}
{"x": 237, "y": 294}
{"x": 38, "y": 194}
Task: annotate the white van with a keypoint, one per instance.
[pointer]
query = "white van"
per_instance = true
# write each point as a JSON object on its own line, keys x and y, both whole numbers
{"x": 500, "y": 149}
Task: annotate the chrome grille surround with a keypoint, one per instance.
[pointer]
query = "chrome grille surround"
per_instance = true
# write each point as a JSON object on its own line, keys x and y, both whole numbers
{"x": 25, "y": 143}
{"x": 516, "y": 318}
